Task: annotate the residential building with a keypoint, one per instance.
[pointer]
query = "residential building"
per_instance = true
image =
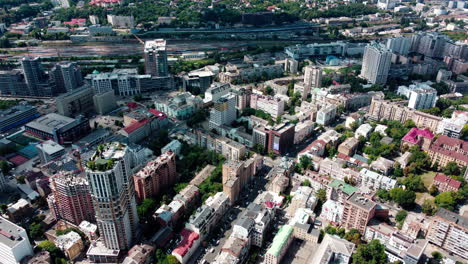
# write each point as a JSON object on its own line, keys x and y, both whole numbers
{"x": 89, "y": 229}
{"x": 349, "y": 146}
{"x": 66, "y": 76}
{"x": 155, "y": 54}
{"x": 357, "y": 212}
{"x": 405, "y": 249}
{"x": 113, "y": 194}
{"x": 216, "y": 91}
{"x": 35, "y": 77}
{"x": 49, "y": 150}
{"x": 376, "y": 63}
{"x": 312, "y": 77}
{"x": 399, "y": 45}
{"x": 444, "y": 183}
{"x": 71, "y": 244}
{"x": 3, "y": 182}
{"x": 326, "y": 115}
{"x": 333, "y": 249}
{"x": 16, "y": 116}
{"x": 316, "y": 148}
{"x": 418, "y": 137}
{"x": 220, "y": 203}
{"x": 446, "y": 149}
{"x": 280, "y": 245}
{"x": 375, "y": 180}
{"x": 140, "y": 254}
{"x": 422, "y": 98}
{"x": 453, "y": 127}
{"x": 13, "y": 83}
{"x": 14, "y": 242}
{"x": 339, "y": 191}
{"x": 223, "y": 112}
{"x": 443, "y": 75}
{"x": 238, "y": 174}
{"x": 121, "y": 21}
{"x": 70, "y": 198}
{"x": 332, "y": 212}
{"x": 303, "y": 197}
{"x": 270, "y": 105}
{"x": 377, "y": 230}
{"x": 382, "y": 165}
{"x": 105, "y": 102}
{"x": 363, "y": 130}
{"x": 406, "y": 90}
{"x": 303, "y": 130}
{"x": 450, "y": 232}
{"x": 430, "y": 44}
{"x": 202, "y": 221}
{"x": 174, "y": 146}
{"x": 230, "y": 149}
{"x": 61, "y": 129}
{"x": 78, "y": 101}
{"x": 158, "y": 174}
{"x": 189, "y": 244}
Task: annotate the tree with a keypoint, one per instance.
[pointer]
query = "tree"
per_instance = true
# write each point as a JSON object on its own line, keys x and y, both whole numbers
{"x": 428, "y": 207}
{"x": 322, "y": 195}
{"x": 372, "y": 253}
{"x": 404, "y": 198}
{"x": 446, "y": 200}
{"x": 172, "y": 259}
{"x": 401, "y": 216}
{"x": 36, "y": 230}
{"x": 353, "y": 236}
{"x": 414, "y": 183}
{"x": 5, "y": 43}
{"x": 4, "y": 166}
{"x": 305, "y": 162}
{"x": 383, "y": 194}
{"x": 146, "y": 208}
{"x": 306, "y": 183}
{"x": 452, "y": 168}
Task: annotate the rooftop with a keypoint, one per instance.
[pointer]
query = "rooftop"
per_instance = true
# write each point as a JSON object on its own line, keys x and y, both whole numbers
{"x": 188, "y": 237}
{"x": 442, "y": 178}
{"x": 10, "y": 233}
{"x": 280, "y": 240}
{"x": 415, "y": 133}
{"x": 361, "y": 201}
{"x": 51, "y": 122}
{"x": 452, "y": 217}
{"x": 452, "y": 147}
{"x": 50, "y": 147}
{"x": 155, "y": 45}
{"x": 68, "y": 240}
{"x": 346, "y": 188}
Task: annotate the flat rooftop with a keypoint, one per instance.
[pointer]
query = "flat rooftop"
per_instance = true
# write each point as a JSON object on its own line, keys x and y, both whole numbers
{"x": 50, "y": 122}
{"x": 10, "y": 233}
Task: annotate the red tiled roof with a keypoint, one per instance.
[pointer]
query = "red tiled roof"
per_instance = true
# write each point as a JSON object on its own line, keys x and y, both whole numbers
{"x": 442, "y": 178}
{"x": 459, "y": 148}
{"x": 317, "y": 143}
{"x": 93, "y": 2}
{"x": 157, "y": 113}
{"x": 413, "y": 135}
{"x": 135, "y": 125}
{"x": 188, "y": 237}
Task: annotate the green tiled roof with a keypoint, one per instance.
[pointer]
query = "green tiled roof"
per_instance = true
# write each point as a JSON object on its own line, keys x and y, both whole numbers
{"x": 280, "y": 240}
{"x": 346, "y": 188}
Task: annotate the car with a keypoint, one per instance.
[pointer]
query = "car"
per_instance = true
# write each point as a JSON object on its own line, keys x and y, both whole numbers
{"x": 212, "y": 250}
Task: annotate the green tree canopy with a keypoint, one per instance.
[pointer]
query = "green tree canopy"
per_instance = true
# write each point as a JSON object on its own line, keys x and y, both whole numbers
{"x": 372, "y": 253}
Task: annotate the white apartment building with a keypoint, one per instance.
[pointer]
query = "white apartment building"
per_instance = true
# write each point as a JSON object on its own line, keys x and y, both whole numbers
{"x": 224, "y": 111}
{"x": 271, "y": 105}
{"x": 326, "y": 115}
{"x": 14, "y": 242}
{"x": 312, "y": 77}
{"x": 422, "y": 98}
{"x": 376, "y": 181}
{"x": 376, "y": 63}
{"x": 216, "y": 91}
{"x": 406, "y": 90}
{"x": 332, "y": 211}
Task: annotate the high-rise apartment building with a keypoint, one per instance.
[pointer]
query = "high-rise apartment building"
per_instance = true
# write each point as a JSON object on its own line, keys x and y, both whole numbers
{"x": 400, "y": 45}
{"x": 376, "y": 63}
{"x": 312, "y": 77}
{"x": 67, "y": 76}
{"x": 36, "y": 78}
{"x": 281, "y": 138}
{"x": 14, "y": 243}
{"x": 430, "y": 44}
{"x": 12, "y": 83}
{"x": 156, "y": 58}
{"x": 422, "y": 98}
{"x": 70, "y": 198}
{"x": 357, "y": 212}
{"x": 450, "y": 232}
{"x": 223, "y": 112}
{"x": 156, "y": 176}
{"x": 109, "y": 173}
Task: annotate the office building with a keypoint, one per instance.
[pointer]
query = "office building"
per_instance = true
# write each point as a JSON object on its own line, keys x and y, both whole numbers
{"x": 312, "y": 77}
{"x": 121, "y": 21}
{"x": 156, "y": 58}
{"x": 376, "y": 63}
{"x": 281, "y": 138}
{"x": 156, "y": 176}
{"x": 61, "y": 129}
{"x": 450, "y": 232}
{"x": 105, "y": 102}
{"x": 340, "y": 48}
{"x": 49, "y": 150}
{"x": 66, "y": 76}
{"x": 17, "y": 116}
{"x": 14, "y": 242}
{"x": 422, "y": 98}
{"x": 112, "y": 191}
{"x": 223, "y": 112}
{"x": 399, "y": 45}
{"x": 357, "y": 212}
{"x": 70, "y": 198}
{"x": 446, "y": 149}
{"x": 78, "y": 101}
